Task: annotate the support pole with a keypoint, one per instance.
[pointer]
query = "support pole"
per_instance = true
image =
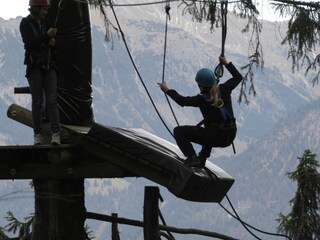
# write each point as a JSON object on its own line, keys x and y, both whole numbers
{"x": 151, "y": 213}
{"x": 114, "y": 228}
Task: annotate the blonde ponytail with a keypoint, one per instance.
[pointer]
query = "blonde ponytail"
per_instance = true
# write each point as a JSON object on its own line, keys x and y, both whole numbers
{"x": 214, "y": 94}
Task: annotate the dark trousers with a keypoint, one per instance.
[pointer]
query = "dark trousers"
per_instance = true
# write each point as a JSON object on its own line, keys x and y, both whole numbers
{"x": 207, "y": 137}
{"x": 44, "y": 83}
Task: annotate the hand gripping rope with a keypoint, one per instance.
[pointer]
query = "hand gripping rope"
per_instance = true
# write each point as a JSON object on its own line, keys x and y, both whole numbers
{"x": 60, "y": 7}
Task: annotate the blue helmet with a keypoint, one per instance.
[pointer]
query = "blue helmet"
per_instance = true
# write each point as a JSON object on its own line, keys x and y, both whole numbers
{"x": 205, "y": 77}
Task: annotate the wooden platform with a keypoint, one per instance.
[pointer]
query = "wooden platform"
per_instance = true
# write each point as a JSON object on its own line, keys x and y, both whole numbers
{"x": 102, "y": 151}
{"x": 53, "y": 162}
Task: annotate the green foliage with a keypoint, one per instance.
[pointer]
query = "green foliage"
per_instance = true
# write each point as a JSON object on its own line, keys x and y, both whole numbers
{"x": 14, "y": 226}
{"x": 303, "y": 222}
{"x": 303, "y": 35}
{"x": 3, "y": 236}
{"x": 88, "y": 232}
{"x": 211, "y": 11}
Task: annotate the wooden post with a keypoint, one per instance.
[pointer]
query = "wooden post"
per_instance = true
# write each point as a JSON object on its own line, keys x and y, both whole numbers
{"x": 114, "y": 228}
{"x": 59, "y": 206}
{"x": 59, "y": 209}
{"x": 151, "y": 214}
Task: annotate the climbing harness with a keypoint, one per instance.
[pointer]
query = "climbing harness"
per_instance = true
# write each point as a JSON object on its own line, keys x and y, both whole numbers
{"x": 226, "y": 115}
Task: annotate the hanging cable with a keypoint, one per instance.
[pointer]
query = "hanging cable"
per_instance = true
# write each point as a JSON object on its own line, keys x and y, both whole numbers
{"x": 252, "y": 227}
{"x": 163, "y": 220}
{"x": 167, "y": 8}
{"x": 165, "y": 224}
{"x": 218, "y": 72}
{"x": 224, "y": 10}
{"x": 136, "y": 69}
{"x": 237, "y": 217}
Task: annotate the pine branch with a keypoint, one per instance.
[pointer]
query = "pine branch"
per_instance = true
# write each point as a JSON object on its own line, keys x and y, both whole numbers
{"x": 315, "y": 5}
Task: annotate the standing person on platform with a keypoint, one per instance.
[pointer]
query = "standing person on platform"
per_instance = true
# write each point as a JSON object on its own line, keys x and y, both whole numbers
{"x": 39, "y": 43}
{"x": 214, "y": 102}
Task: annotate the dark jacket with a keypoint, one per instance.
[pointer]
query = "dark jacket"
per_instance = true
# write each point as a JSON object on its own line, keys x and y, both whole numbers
{"x": 35, "y": 39}
{"x": 211, "y": 114}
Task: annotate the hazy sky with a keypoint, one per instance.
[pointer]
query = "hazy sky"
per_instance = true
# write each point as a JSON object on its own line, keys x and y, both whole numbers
{"x": 14, "y": 8}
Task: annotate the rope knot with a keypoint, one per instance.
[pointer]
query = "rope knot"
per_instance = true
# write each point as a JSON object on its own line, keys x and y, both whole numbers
{"x": 167, "y": 8}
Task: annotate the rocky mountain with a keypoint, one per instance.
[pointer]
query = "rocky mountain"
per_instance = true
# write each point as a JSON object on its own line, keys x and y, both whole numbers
{"x": 274, "y": 129}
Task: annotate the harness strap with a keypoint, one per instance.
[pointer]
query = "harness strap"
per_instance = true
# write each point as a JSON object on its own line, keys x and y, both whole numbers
{"x": 226, "y": 115}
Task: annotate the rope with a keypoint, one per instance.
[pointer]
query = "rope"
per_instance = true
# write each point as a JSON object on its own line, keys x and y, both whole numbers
{"x": 167, "y": 8}
{"x": 224, "y": 10}
{"x": 252, "y": 227}
{"x": 136, "y": 69}
{"x": 165, "y": 224}
{"x": 60, "y": 6}
{"x": 219, "y": 69}
{"x": 236, "y": 215}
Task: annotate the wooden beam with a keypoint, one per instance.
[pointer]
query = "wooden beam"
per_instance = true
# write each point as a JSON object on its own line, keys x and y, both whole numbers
{"x": 62, "y": 171}
{"x": 185, "y": 231}
{"x": 54, "y": 162}
{"x": 20, "y": 114}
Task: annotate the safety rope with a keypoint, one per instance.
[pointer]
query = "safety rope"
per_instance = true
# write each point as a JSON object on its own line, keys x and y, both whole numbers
{"x": 60, "y": 7}
{"x": 169, "y": 234}
{"x": 219, "y": 69}
{"x": 136, "y": 69}
{"x": 224, "y": 10}
{"x": 167, "y": 8}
